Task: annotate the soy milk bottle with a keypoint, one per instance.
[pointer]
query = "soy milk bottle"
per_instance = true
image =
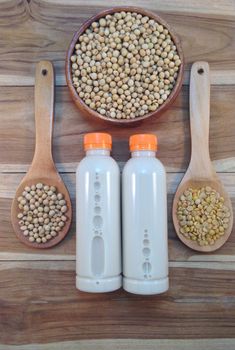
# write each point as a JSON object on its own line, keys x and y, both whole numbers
{"x": 98, "y": 236}
{"x": 144, "y": 213}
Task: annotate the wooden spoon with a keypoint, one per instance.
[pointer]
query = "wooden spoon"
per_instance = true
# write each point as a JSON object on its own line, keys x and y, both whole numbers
{"x": 200, "y": 171}
{"x": 43, "y": 169}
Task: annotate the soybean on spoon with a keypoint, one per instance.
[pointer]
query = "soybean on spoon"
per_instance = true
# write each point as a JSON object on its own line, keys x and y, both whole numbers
{"x": 42, "y": 169}
{"x": 200, "y": 172}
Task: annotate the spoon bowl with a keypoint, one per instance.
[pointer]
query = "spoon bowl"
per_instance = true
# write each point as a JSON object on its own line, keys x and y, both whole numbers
{"x": 50, "y": 180}
{"x": 200, "y": 172}
{"x": 42, "y": 169}
{"x": 216, "y": 184}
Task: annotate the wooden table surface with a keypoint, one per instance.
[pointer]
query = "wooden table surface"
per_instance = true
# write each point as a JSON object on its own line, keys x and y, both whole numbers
{"x": 40, "y": 307}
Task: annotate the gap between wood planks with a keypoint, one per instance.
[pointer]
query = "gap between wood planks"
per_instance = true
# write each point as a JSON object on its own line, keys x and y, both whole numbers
{"x": 131, "y": 344}
{"x": 218, "y": 77}
{"x": 10, "y": 180}
{"x": 69, "y": 265}
{"x": 221, "y": 166}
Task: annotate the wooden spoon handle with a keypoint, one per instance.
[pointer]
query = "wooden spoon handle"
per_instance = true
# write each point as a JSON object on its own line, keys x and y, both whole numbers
{"x": 200, "y": 164}
{"x": 44, "y": 114}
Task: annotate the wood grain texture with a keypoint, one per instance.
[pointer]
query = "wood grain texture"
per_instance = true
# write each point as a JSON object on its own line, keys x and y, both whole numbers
{"x": 225, "y": 8}
{"x": 13, "y": 249}
{"x": 200, "y": 303}
{"x": 172, "y": 128}
{"x": 40, "y": 308}
{"x": 131, "y": 344}
{"x": 42, "y": 29}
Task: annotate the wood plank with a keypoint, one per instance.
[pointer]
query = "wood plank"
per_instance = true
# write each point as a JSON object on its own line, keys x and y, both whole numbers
{"x": 41, "y": 264}
{"x": 40, "y": 308}
{"x": 221, "y": 166}
{"x": 12, "y": 249}
{"x": 17, "y": 131}
{"x": 208, "y": 7}
{"x": 130, "y": 344}
{"x": 40, "y": 29}
{"x": 46, "y": 306}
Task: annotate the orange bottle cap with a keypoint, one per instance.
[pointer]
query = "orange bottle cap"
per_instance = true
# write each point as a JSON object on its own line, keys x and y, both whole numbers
{"x": 143, "y": 142}
{"x": 97, "y": 140}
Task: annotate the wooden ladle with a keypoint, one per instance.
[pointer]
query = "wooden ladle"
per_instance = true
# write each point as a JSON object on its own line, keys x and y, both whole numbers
{"x": 43, "y": 169}
{"x": 200, "y": 172}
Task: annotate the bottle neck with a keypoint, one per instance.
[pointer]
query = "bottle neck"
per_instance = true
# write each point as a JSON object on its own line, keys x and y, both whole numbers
{"x": 143, "y": 153}
{"x": 98, "y": 152}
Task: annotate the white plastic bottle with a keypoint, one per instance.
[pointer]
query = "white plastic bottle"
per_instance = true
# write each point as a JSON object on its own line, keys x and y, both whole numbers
{"x": 144, "y": 213}
{"x": 98, "y": 236}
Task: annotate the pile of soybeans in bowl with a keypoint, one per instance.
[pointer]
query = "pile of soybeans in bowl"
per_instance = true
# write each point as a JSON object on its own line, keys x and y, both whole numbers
{"x": 125, "y": 65}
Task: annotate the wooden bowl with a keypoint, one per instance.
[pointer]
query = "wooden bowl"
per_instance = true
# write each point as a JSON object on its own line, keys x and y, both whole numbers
{"x": 90, "y": 112}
